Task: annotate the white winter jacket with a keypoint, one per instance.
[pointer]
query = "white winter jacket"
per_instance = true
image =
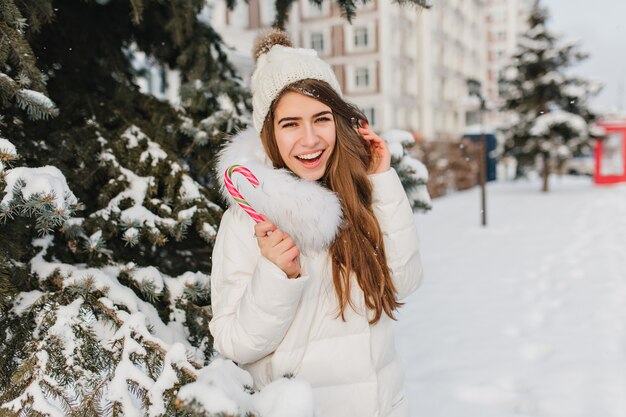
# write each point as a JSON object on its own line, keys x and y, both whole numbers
{"x": 274, "y": 326}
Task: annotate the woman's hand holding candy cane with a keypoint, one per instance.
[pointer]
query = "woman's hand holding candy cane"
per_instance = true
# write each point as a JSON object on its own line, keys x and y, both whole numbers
{"x": 275, "y": 245}
{"x": 278, "y": 247}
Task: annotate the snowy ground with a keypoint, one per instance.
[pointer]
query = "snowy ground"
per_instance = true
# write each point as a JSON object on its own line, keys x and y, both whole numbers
{"x": 526, "y": 317}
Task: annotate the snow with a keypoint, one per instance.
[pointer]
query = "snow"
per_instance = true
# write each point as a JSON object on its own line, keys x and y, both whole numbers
{"x": 552, "y": 77}
{"x": 220, "y": 388}
{"x": 395, "y": 138}
{"x": 7, "y": 152}
{"x": 511, "y": 73}
{"x": 66, "y": 316}
{"x": 189, "y": 190}
{"x": 136, "y": 191}
{"x": 536, "y": 31}
{"x": 35, "y": 98}
{"x": 526, "y": 316}
{"x": 208, "y": 231}
{"x": 529, "y": 58}
{"x": 154, "y": 152}
{"x": 35, "y": 393}
{"x": 544, "y": 123}
{"x": 149, "y": 274}
{"x": 187, "y": 214}
{"x": 133, "y": 135}
{"x": 139, "y": 314}
{"x": 176, "y": 286}
{"x": 95, "y": 240}
{"x": 574, "y": 91}
{"x": 25, "y": 300}
{"x": 534, "y": 44}
{"x": 285, "y": 398}
{"x": 47, "y": 180}
{"x": 420, "y": 169}
{"x": 131, "y": 234}
{"x": 175, "y": 168}
{"x": 174, "y": 356}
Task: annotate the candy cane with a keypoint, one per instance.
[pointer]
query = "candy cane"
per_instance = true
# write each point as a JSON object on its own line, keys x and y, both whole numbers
{"x": 236, "y": 194}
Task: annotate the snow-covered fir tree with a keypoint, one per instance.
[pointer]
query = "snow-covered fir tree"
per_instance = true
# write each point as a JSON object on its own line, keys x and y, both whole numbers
{"x": 108, "y": 206}
{"x": 412, "y": 172}
{"x": 108, "y": 210}
{"x": 548, "y": 104}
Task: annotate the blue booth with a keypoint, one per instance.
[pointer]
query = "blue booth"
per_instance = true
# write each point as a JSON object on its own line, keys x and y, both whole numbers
{"x": 490, "y": 137}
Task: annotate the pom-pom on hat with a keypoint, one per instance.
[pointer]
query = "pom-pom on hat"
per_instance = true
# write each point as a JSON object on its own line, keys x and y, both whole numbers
{"x": 279, "y": 64}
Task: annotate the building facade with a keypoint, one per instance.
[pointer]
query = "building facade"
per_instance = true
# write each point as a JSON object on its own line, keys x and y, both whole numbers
{"x": 404, "y": 67}
{"x": 505, "y": 20}
{"x": 374, "y": 58}
{"x": 452, "y": 40}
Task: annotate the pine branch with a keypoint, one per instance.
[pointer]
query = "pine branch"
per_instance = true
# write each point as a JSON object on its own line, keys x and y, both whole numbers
{"x": 189, "y": 372}
{"x": 37, "y": 105}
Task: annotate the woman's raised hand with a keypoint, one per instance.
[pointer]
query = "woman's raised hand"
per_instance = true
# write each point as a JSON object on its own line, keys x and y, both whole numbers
{"x": 278, "y": 247}
{"x": 381, "y": 157}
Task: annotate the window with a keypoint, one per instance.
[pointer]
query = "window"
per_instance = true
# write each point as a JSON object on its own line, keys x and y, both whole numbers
{"x": 317, "y": 41}
{"x": 362, "y": 77}
{"x": 612, "y": 162}
{"x": 361, "y": 37}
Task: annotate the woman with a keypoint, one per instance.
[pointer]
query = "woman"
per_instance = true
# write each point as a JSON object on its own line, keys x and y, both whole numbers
{"x": 312, "y": 291}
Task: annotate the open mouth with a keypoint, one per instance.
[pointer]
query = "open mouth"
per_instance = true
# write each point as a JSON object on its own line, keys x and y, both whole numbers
{"x": 310, "y": 158}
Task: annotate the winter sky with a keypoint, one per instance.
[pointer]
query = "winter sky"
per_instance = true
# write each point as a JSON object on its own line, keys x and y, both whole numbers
{"x": 601, "y": 27}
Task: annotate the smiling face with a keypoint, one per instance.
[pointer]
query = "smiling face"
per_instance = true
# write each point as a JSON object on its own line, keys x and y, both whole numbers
{"x": 305, "y": 134}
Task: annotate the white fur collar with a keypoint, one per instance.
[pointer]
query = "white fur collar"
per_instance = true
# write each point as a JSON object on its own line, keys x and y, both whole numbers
{"x": 308, "y": 211}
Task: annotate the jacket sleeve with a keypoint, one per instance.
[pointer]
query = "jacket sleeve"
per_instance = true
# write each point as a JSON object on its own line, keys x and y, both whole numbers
{"x": 393, "y": 211}
{"x": 253, "y": 301}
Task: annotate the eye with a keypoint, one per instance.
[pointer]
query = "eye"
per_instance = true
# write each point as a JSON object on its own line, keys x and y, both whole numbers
{"x": 323, "y": 119}
{"x": 289, "y": 124}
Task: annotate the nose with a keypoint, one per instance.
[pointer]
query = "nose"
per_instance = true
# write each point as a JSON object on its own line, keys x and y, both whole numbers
{"x": 310, "y": 138}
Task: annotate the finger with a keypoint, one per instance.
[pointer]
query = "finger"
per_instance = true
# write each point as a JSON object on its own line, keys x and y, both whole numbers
{"x": 263, "y": 228}
{"x": 372, "y": 136}
{"x": 275, "y": 237}
{"x": 289, "y": 256}
{"x": 285, "y": 245}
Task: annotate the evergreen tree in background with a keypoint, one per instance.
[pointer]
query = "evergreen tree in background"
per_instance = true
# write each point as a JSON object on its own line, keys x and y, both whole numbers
{"x": 551, "y": 117}
{"x": 109, "y": 207}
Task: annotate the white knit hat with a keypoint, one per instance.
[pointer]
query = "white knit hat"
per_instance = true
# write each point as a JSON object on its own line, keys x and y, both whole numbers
{"x": 277, "y": 67}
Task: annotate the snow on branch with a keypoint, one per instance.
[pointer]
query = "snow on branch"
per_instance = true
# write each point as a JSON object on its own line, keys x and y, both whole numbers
{"x": 534, "y": 44}
{"x": 547, "y": 122}
{"x": 8, "y": 153}
{"x": 552, "y": 77}
{"x": 144, "y": 209}
{"x": 154, "y": 152}
{"x": 46, "y": 183}
{"x": 42, "y": 193}
{"x": 150, "y": 365}
{"x": 223, "y": 387}
{"x": 37, "y": 105}
{"x": 413, "y": 173}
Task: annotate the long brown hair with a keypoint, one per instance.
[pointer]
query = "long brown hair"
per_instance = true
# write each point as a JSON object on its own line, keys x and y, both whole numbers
{"x": 358, "y": 246}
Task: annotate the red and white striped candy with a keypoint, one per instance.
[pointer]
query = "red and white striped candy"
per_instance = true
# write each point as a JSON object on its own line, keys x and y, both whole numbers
{"x": 236, "y": 194}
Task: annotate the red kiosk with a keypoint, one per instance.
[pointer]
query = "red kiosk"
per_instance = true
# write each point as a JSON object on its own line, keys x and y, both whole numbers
{"x": 610, "y": 153}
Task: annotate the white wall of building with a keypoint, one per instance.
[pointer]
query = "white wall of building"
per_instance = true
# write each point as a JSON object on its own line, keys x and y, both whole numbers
{"x": 505, "y": 21}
